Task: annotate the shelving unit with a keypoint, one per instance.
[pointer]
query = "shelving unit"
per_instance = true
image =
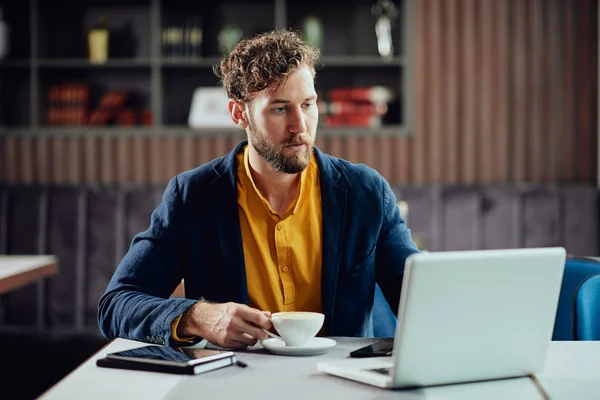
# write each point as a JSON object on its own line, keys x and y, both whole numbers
{"x": 48, "y": 47}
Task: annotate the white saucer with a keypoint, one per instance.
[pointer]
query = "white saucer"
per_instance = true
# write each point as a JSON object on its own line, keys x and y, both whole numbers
{"x": 313, "y": 347}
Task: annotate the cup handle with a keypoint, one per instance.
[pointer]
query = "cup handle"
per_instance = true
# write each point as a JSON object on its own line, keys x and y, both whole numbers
{"x": 272, "y": 334}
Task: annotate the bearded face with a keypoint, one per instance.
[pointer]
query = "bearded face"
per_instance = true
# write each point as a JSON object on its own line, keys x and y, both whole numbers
{"x": 290, "y": 156}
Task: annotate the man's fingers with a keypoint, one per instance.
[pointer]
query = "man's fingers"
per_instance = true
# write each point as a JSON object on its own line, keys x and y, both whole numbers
{"x": 254, "y": 331}
{"x": 254, "y": 316}
{"x": 243, "y": 339}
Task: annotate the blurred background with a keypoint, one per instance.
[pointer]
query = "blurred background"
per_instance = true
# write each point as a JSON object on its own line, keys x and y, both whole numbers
{"x": 482, "y": 115}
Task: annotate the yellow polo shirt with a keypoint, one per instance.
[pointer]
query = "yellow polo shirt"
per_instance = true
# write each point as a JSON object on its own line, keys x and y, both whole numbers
{"x": 282, "y": 253}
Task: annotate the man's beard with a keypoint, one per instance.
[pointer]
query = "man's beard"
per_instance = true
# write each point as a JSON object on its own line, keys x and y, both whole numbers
{"x": 273, "y": 154}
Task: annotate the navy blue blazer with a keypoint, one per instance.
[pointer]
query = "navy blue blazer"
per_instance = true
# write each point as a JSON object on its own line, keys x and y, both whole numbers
{"x": 195, "y": 234}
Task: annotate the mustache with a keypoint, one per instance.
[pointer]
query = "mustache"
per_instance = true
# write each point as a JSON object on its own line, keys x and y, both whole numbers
{"x": 296, "y": 141}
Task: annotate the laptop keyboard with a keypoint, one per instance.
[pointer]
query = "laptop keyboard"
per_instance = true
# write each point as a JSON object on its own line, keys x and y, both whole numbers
{"x": 383, "y": 371}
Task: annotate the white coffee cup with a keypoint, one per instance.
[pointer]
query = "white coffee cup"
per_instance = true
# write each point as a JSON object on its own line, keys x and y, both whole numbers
{"x": 298, "y": 327}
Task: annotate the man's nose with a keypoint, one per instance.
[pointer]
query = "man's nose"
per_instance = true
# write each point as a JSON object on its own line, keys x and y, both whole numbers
{"x": 296, "y": 122}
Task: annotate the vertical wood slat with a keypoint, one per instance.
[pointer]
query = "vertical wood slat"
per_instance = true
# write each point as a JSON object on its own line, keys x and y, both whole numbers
{"x": 220, "y": 147}
{"x": 107, "y": 160}
{"x": 171, "y": 158}
{"x": 383, "y": 153}
{"x": 3, "y": 161}
{"x": 519, "y": 90}
{"x": 123, "y": 159}
{"x": 204, "y": 150}
{"x": 90, "y": 167}
{"x": 321, "y": 142}
{"x": 76, "y": 161}
{"x": 452, "y": 110}
{"x": 26, "y": 160}
{"x": 140, "y": 160}
{"x": 43, "y": 165}
{"x": 188, "y": 153}
{"x": 569, "y": 128}
{"x": 503, "y": 100}
{"x": 552, "y": 97}
{"x": 418, "y": 174}
{"x": 352, "y": 149}
{"x": 486, "y": 52}
{"x": 335, "y": 146}
{"x": 156, "y": 155}
{"x": 10, "y": 151}
{"x": 436, "y": 92}
{"x": 366, "y": 152}
{"x": 56, "y": 157}
{"x": 468, "y": 133}
{"x": 537, "y": 148}
{"x": 586, "y": 73}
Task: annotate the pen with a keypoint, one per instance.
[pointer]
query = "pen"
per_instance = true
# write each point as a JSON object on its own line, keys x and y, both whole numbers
{"x": 241, "y": 364}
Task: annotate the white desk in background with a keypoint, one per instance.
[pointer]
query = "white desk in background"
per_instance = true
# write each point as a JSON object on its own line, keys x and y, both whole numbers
{"x": 20, "y": 270}
{"x": 572, "y": 372}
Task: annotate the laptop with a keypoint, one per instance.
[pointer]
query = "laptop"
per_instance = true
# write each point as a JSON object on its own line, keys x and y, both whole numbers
{"x": 467, "y": 316}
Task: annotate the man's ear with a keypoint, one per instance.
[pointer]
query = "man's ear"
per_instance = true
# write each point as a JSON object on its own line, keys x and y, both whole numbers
{"x": 237, "y": 111}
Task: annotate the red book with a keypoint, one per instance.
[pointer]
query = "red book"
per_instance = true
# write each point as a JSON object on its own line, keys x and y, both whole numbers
{"x": 371, "y": 121}
{"x": 353, "y": 107}
{"x": 373, "y": 94}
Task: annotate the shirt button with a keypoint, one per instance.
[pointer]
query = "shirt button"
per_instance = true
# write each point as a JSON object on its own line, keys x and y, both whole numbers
{"x": 284, "y": 268}
{"x": 279, "y": 227}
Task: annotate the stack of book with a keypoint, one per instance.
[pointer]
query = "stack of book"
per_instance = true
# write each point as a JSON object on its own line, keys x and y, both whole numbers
{"x": 355, "y": 106}
{"x": 67, "y": 105}
{"x": 110, "y": 105}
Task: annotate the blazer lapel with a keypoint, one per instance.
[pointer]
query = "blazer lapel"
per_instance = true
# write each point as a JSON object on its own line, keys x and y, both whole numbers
{"x": 334, "y": 202}
{"x": 225, "y": 211}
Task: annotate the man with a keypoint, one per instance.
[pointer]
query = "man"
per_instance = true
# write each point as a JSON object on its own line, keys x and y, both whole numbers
{"x": 275, "y": 225}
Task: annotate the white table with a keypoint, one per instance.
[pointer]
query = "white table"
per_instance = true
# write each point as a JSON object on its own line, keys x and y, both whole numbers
{"x": 572, "y": 372}
{"x": 20, "y": 270}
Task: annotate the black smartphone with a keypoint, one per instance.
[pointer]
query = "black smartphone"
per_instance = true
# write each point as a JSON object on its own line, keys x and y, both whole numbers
{"x": 380, "y": 348}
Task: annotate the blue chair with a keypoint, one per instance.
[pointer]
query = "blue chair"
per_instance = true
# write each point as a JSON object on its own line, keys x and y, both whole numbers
{"x": 384, "y": 320}
{"x": 587, "y": 309}
{"x": 577, "y": 269}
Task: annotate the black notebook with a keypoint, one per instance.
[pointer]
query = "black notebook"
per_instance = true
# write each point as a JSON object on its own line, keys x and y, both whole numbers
{"x": 173, "y": 360}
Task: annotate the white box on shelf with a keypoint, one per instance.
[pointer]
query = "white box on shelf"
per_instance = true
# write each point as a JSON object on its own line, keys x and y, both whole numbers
{"x": 209, "y": 109}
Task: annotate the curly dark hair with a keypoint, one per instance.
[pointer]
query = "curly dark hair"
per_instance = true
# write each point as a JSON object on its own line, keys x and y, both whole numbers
{"x": 263, "y": 60}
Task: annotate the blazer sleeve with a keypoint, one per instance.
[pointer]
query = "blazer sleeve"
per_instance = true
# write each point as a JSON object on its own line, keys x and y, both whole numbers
{"x": 394, "y": 245}
{"x": 136, "y": 303}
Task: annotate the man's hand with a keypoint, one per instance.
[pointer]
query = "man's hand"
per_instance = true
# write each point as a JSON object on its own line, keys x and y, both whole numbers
{"x": 227, "y": 325}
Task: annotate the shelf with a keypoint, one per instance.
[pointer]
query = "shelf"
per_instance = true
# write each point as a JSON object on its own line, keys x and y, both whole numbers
{"x": 53, "y": 38}
{"x": 190, "y": 63}
{"x": 84, "y": 63}
{"x": 16, "y": 64}
{"x": 327, "y": 61}
{"x": 142, "y": 131}
{"x": 78, "y": 131}
{"x": 361, "y": 61}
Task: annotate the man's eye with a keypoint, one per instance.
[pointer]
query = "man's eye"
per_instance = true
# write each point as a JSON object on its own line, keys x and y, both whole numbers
{"x": 307, "y": 105}
{"x": 279, "y": 109}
